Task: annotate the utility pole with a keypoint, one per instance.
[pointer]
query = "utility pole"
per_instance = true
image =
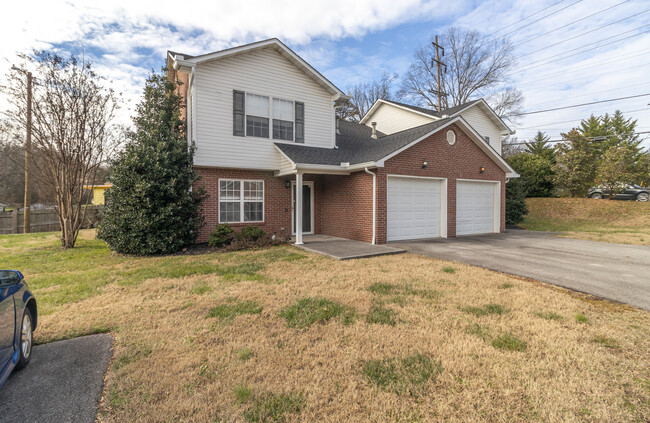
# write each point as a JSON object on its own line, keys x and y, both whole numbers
{"x": 28, "y": 153}
{"x": 438, "y": 64}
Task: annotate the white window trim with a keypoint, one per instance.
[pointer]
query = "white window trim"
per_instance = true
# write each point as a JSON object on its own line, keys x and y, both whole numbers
{"x": 241, "y": 200}
{"x": 270, "y": 137}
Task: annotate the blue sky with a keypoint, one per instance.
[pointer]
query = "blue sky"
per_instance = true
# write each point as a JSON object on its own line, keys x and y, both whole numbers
{"x": 352, "y": 42}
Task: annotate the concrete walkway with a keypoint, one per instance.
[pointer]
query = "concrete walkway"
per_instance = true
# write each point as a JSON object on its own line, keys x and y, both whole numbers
{"x": 613, "y": 271}
{"x": 62, "y": 383}
{"x": 345, "y": 249}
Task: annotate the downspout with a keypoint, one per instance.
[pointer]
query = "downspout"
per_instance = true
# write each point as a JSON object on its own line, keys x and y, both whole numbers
{"x": 374, "y": 205}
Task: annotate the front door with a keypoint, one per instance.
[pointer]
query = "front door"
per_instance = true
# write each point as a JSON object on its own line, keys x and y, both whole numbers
{"x": 307, "y": 208}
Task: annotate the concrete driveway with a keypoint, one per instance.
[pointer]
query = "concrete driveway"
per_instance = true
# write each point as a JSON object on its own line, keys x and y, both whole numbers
{"x": 62, "y": 384}
{"x": 613, "y": 271}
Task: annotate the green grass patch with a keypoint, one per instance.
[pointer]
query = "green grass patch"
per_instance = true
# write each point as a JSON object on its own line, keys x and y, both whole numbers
{"x": 244, "y": 354}
{"x": 132, "y": 354}
{"x": 381, "y": 288}
{"x": 402, "y": 375}
{"x": 200, "y": 288}
{"x": 478, "y": 330}
{"x": 448, "y": 269}
{"x": 381, "y": 315}
{"x": 74, "y": 333}
{"x": 506, "y": 285}
{"x": 308, "y": 311}
{"x": 485, "y": 310}
{"x": 606, "y": 341}
{"x": 581, "y": 318}
{"x": 549, "y": 315}
{"x": 282, "y": 254}
{"x": 243, "y": 393}
{"x": 233, "y": 309}
{"x": 509, "y": 342}
{"x": 272, "y": 407}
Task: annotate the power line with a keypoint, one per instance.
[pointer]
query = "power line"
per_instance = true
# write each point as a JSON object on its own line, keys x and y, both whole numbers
{"x": 597, "y": 92}
{"x": 584, "y": 51}
{"x": 570, "y": 23}
{"x": 522, "y": 19}
{"x": 573, "y": 120}
{"x": 584, "y": 33}
{"x": 537, "y": 20}
{"x": 585, "y": 104}
{"x": 599, "y": 138}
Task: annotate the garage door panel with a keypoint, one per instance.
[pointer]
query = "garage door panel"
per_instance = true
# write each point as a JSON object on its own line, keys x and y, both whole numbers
{"x": 475, "y": 207}
{"x": 413, "y": 208}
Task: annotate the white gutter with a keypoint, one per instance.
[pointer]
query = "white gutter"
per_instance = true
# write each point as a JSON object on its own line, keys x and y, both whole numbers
{"x": 374, "y": 205}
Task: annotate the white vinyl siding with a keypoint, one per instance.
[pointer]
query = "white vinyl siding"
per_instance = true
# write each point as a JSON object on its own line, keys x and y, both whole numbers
{"x": 484, "y": 125}
{"x": 266, "y": 73}
{"x": 477, "y": 207}
{"x": 391, "y": 119}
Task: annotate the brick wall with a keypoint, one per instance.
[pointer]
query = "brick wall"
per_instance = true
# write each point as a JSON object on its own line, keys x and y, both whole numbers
{"x": 459, "y": 161}
{"x": 347, "y": 206}
{"x": 277, "y": 200}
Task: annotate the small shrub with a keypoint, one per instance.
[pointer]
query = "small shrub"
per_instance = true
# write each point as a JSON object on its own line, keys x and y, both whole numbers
{"x": 221, "y": 236}
{"x": 448, "y": 269}
{"x": 244, "y": 354}
{"x": 549, "y": 315}
{"x": 308, "y": 311}
{"x": 243, "y": 393}
{"x": 251, "y": 233}
{"x": 485, "y": 310}
{"x": 606, "y": 341}
{"x": 581, "y": 318}
{"x": 274, "y": 407}
{"x": 381, "y": 315}
{"x": 402, "y": 375}
{"x": 232, "y": 310}
{"x": 509, "y": 342}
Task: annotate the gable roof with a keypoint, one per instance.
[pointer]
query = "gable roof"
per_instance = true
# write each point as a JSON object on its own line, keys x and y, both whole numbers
{"x": 355, "y": 147}
{"x": 181, "y": 60}
{"x": 451, "y": 111}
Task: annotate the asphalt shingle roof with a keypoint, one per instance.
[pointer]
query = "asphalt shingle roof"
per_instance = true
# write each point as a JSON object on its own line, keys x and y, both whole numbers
{"x": 355, "y": 145}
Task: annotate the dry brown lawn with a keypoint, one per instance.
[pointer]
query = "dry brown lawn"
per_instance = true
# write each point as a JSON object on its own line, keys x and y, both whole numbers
{"x": 621, "y": 222}
{"x": 173, "y": 362}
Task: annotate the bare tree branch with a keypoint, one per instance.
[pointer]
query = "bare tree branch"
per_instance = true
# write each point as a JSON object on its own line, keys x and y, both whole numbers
{"x": 365, "y": 95}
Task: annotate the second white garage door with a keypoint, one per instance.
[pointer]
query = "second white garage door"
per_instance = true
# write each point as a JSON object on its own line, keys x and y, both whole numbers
{"x": 475, "y": 207}
{"x": 414, "y": 208}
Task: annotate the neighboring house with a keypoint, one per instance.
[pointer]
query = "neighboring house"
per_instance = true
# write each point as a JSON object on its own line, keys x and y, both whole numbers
{"x": 99, "y": 192}
{"x": 263, "y": 121}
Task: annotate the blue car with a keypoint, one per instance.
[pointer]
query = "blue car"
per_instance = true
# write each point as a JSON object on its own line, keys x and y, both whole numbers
{"x": 18, "y": 318}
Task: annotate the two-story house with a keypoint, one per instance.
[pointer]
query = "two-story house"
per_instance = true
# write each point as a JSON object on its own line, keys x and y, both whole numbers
{"x": 263, "y": 121}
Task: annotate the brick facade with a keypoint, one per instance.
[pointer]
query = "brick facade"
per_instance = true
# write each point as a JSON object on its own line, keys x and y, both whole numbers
{"x": 459, "y": 161}
{"x": 343, "y": 204}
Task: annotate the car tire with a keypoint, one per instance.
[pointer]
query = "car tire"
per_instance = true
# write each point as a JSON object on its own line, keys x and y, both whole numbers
{"x": 642, "y": 196}
{"x": 596, "y": 196}
{"x": 26, "y": 340}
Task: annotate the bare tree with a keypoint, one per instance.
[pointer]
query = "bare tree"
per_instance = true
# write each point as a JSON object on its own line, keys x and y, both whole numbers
{"x": 511, "y": 146}
{"x": 72, "y": 134}
{"x": 364, "y": 95}
{"x": 476, "y": 67}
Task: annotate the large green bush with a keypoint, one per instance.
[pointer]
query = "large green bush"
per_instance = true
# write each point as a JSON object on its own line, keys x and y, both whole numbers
{"x": 151, "y": 207}
{"x": 536, "y": 173}
{"x": 516, "y": 207}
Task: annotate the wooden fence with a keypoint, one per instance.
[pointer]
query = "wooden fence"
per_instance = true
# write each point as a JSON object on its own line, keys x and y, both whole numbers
{"x": 42, "y": 220}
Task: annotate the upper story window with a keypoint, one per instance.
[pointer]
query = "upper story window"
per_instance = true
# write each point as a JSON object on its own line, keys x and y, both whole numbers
{"x": 265, "y": 117}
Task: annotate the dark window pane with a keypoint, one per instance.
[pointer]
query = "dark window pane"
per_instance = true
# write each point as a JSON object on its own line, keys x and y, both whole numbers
{"x": 282, "y": 130}
{"x": 229, "y": 211}
{"x": 257, "y": 127}
{"x": 253, "y": 211}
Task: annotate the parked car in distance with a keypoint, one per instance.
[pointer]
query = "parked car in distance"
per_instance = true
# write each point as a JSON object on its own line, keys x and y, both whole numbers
{"x": 18, "y": 317}
{"x": 627, "y": 192}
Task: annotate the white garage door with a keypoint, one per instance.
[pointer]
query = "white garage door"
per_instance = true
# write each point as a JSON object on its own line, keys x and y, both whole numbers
{"x": 475, "y": 207}
{"x": 414, "y": 208}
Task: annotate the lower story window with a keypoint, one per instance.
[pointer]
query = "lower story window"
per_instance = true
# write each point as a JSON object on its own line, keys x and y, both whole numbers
{"x": 241, "y": 201}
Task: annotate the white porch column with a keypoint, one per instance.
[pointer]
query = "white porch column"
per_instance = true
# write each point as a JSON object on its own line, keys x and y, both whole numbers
{"x": 298, "y": 208}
